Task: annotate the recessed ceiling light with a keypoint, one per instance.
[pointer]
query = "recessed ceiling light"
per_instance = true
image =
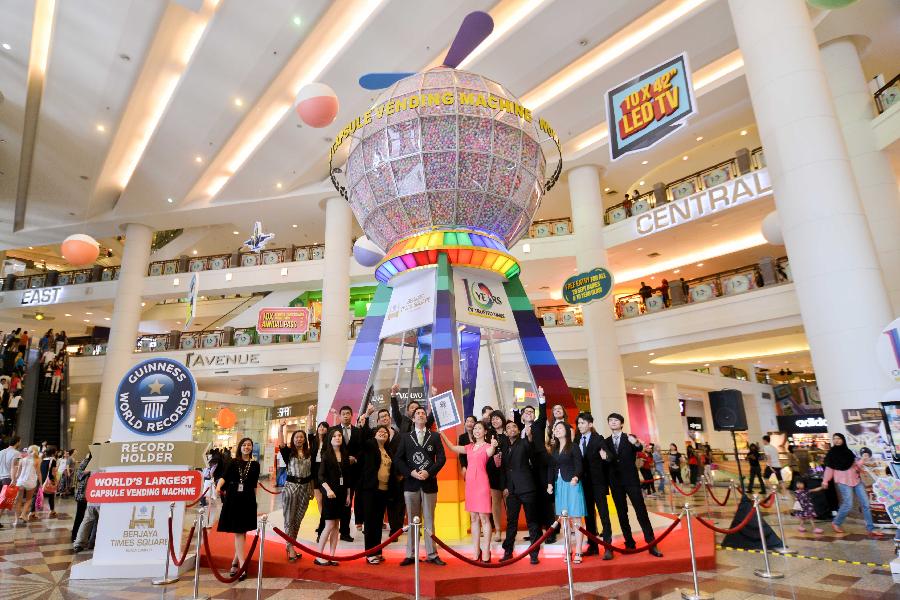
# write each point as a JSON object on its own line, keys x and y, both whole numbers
{"x": 699, "y": 138}
{"x": 143, "y": 304}
{"x": 699, "y": 264}
{"x": 634, "y": 366}
{"x": 278, "y": 185}
{"x": 88, "y": 313}
{"x": 684, "y": 157}
{"x": 297, "y": 21}
{"x": 169, "y": 200}
{"x": 706, "y": 364}
{"x": 238, "y": 102}
{"x": 743, "y": 132}
{"x": 67, "y": 315}
{"x": 236, "y": 232}
{"x": 676, "y": 271}
{"x": 639, "y": 249}
{"x": 606, "y": 189}
{"x": 86, "y": 320}
{"x": 649, "y": 372}
{"x": 7, "y": 46}
{"x": 31, "y": 247}
{"x": 198, "y": 159}
{"x": 101, "y": 127}
{"x": 106, "y": 318}
{"x": 294, "y": 226}
{"x": 634, "y": 388}
{"x": 651, "y": 354}
{"x": 194, "y": 252}
{"x": 178, "y": 322}
{"x": 644, "y": 162}
{"x": 642, "y": 182}
{"x": 715, "y": 224}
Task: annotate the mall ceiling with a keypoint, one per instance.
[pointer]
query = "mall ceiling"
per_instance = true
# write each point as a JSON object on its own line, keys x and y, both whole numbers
{"x": 179, "y": 113}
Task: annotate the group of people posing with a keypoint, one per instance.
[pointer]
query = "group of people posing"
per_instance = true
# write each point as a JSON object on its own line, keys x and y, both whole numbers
{"x": 368, "y": 472}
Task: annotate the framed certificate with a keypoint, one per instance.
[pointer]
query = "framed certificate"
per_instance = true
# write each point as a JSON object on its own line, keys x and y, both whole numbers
{"x": 443, "y": 407}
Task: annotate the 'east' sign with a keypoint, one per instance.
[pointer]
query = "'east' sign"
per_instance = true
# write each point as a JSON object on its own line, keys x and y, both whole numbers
{"x": 40, "y": 296}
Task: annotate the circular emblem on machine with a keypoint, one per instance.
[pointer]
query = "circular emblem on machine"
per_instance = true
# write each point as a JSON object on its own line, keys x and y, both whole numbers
{"x": 155, "y": 396}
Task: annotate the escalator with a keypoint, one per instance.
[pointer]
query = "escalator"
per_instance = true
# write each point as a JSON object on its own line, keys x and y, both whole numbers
{"x": 42, "y": 416}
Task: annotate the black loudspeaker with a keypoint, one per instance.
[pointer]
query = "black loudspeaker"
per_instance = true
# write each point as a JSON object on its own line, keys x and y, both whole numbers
{"x": 727, "y": 407}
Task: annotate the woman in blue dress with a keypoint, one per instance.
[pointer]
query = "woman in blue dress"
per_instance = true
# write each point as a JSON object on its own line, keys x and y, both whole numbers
{"x": 564, "y": 472}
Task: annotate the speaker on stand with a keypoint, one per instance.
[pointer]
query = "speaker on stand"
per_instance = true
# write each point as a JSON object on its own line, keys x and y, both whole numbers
{"x": 727, "y": 409}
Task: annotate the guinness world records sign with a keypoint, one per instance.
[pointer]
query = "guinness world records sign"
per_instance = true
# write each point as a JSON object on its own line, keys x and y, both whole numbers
{"x": 155, "y": 401}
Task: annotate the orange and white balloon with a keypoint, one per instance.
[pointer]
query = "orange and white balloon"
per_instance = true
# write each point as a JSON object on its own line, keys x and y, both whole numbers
{"x": 317, "y": 105}
{"x": 80, "y": 249}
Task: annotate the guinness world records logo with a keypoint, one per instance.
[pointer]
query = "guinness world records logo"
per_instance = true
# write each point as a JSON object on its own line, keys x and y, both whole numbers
{"x": 155, "y": 396}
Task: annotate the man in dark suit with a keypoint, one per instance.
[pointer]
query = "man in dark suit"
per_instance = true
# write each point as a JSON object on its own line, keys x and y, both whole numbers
{"x": 594, "y": 482}
{"x": 620, "y": 451}
{"x": 353, "y": 439}
{"x": 533, "y": 425}
{"x": 520, "y": 490}
{"x": 405, "y": 421}
{"x": 419, "y": 458}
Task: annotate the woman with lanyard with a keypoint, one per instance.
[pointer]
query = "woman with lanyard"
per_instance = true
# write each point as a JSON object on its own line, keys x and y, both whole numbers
{"x": 844, "y": 468}
{"x": 496, "y": 472}
{"x": 333, "y": 471}
{"x": 298, "y": 486}
{"x": 239, "y": 500}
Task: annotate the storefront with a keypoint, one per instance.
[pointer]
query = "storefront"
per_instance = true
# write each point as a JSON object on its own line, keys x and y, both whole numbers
{"x": 223, "y": 424}
{"x": 803, "y": 430}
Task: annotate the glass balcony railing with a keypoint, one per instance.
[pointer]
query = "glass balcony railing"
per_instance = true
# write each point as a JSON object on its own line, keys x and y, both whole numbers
{"x": 550, "y": 227}
{"x": 717, "y": 174}
{"x": 888, "y": 95}
{"x": 51, "y": 278}
{"x": 214, "y": 262}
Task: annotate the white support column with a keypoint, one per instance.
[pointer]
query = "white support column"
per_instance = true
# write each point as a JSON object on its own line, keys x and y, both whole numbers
{"x": 124, "y": 325}
{"x": 669, "y": 422}
{"x": 855, "y": 108}
{"x": 606, "y": 379}
{"x": 843, "y": 300}
{"x": 335, "y": 302}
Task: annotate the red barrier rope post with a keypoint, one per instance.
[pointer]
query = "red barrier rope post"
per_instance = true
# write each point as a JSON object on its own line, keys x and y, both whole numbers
{"x": 196, "y": 594}
{"x": 768, "y": 573}
{"x": 565, "y": 518}
{"x": 672, "y": 493}
{"x": 262, "y": 553}
{"x": 166, "y": 580}
{"x": 416, "y": 526}
{"x": 694, "y": 594}
{"x": 705, "y": 483}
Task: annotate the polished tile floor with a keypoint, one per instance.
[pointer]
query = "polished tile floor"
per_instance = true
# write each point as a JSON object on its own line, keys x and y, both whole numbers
{"x": 35, "y": 561}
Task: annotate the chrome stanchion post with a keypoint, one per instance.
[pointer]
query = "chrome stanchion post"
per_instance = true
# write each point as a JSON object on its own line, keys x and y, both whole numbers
{"x": 733, "y": 492}
{"x": 565, "y": 518}
{"x": 705, "y": 483}
{"x": 416, "y": 525}
{"x": 672, "y": 493}
{"x": 166, "y": 580}
{"x": 768, "y": 573}
{"x": 262, "y": 554}
{"x": 784, "y": 547}
{"x": 694, "y": 594}
{"x": 196, "y": 595}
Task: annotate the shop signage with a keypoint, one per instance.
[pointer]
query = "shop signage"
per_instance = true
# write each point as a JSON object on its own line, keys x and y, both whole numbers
{"x": 644, "y": 110}
{"x": 695, "y": 423}
{"x": 156, "y": 486}
{"x": 888, "y": 350}
{"x": 733, "y": 192}
{"x": 802, "y": 424}
{"x": 142, "y": 453}
{"x": 291, "y": 320}
{"x": 232, "y": 359}
{"x": 155, "y": 396}
{"x": 584, "y": 288}
{"x": 481, "y": 300}
{"x": 411, "y": 304}
{"x": 41, "y": 296}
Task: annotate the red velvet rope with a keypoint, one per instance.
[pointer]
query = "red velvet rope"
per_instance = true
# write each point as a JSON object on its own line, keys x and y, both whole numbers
{"x": 175, "y": 560}
{"x": 734, "y": 529}
{"x": 267, "y": 489}
{"x": 637, "y": 550}
{"x": 767, "y": 503}
{"x": 716, "y": 500}
{"x": 200, "y": 497}
{"x": 683, "y": 493}
{"x": 240, "y": 571}
{"x": 503, "y": 563}
{"x": 317, "y": 554}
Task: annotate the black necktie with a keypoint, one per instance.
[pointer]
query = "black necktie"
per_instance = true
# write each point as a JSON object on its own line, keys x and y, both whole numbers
{"x": 583, "y": 444}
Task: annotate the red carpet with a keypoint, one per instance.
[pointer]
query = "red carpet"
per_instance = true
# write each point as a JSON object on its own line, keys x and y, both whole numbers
{"x": 460, "y": 578}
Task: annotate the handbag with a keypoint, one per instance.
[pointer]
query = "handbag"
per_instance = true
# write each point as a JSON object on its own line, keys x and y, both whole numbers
{"x": 50, "y": 485}
{"x": 8, "y": 496}
{"x": 768, "y": 472}
{"x": 39, "y": 499}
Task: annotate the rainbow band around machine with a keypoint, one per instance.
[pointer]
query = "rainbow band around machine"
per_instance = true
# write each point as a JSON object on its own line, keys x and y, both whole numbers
{"x": 463, "y": 248}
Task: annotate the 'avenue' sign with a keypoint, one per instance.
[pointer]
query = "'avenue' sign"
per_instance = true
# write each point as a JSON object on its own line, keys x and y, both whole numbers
{"x": 715, "y": 199}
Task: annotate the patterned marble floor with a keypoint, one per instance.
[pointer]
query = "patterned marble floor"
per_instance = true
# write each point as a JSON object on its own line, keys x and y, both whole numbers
{"x": 35, "y": 561}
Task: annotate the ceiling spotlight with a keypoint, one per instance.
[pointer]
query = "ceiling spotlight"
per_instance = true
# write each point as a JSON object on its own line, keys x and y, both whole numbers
{"x": 634, "y": 366}
{"x": 297, "y": 21}
{"x": 169, "y": 200}
{"x": 6, "y": 46}
{"x": 642, "y": 182}
{"x": 606, "y": 189}
{"x": 652, "y": 354}
{"x": 238, "y": 102}
{"x": 67, "y": 315}
{"x": 236, "y": 232}
{"x": 198, "y": 159}
{"x": 684, "y": 157}
{"x": 706, "y": 364}
{"x": 677, "y": 271}
{"x": 88, "y": 313}
{"x": 644, "y": 162}
{"x": 106, "y": 318}
{"x": 295, "y": 226}
{"x": 101, "y": 127}
{"x": 649, "y": 372}
{"x": 195, "y": 252}
{"x": 143, "y": 304}
{"x": 38, "y": 316}
{"x": 699, "y": 138}
{"x": 31, "y": 247}
{"x": 86, "y": 320}
{"x": 278, "y": 185}
{"x": 699, "y": 264}
{"x": 743, "y": 132}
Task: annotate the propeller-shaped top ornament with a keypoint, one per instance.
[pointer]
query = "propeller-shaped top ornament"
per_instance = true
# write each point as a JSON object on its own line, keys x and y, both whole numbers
{"x": 258, "y": 240}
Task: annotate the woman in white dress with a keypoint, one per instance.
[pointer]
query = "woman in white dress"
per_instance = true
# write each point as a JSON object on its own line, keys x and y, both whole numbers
{"x": 27, "y": 480}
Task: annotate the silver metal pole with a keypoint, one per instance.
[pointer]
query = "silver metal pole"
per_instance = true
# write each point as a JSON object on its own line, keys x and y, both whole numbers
{"x": 768, "y": 573}
{"x": 731, "y": 487}
{"x": 196, "y": 595}
{"x": 705, "y": 483}
{"x": 672, "y": 493}
{"x": 166, "y": 580}
{"x": 416, "y": 526}
{"x": 262, "y": 554}
{"x": 784, "y": 547}
{"x": 565, "y": 518}
{"x": 694, "y": 594}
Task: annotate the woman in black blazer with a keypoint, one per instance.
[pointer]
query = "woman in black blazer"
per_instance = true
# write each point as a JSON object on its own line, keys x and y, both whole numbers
{"x": 334, "y": 474}
{"x": 564, "y": 470}
{"x": 375, "y": 480}
{"x": 316, "y": 445}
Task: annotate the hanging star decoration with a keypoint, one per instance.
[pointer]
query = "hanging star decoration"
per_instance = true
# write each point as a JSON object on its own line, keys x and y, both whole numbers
{"x": 258, "y": 240}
